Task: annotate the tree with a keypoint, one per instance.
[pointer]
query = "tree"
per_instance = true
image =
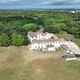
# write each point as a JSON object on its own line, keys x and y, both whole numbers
{"x": 26, "y": 40}
{"x": 30, "y": 26}
{"x": 78, "y": 34}
{"x": 55, "y": 28}
{"x": 4, "y": 40}
{"x": 73, "y": 30}
{"x": 17, "y": 39}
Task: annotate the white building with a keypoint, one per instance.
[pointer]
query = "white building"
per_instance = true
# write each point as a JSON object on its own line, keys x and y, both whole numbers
{"x": 40, "y": 35}
{"x": 44, "y": 41}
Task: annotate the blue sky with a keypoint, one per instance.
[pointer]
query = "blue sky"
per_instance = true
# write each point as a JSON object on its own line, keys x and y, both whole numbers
{"x": 52, "y": 4}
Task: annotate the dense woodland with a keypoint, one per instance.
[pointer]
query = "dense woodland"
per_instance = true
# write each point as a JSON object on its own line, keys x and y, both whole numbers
{"x": 14, "y": 24}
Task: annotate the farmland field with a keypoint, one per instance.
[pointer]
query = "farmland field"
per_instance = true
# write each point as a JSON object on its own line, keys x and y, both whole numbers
{"x": 18, "y": 63}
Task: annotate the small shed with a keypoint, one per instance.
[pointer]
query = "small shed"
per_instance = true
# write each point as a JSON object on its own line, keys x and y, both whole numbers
{"x": 69, "y": 57}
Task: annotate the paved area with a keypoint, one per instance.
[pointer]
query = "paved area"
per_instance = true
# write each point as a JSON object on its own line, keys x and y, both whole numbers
{"x": 73, "y": 47}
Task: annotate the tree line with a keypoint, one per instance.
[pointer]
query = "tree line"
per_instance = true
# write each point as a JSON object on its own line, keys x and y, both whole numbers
{"x": 14, "y": 24}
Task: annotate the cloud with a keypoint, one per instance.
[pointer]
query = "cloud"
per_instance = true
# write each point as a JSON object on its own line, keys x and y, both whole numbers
{"x": 44, "y": 2}
{"x": 61, "y": 2}
{"x": 5, "y": 1}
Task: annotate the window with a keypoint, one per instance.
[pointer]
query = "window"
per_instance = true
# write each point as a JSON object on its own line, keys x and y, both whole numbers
{"x": 35, "y": 46}
{"x": 38, "y": 47}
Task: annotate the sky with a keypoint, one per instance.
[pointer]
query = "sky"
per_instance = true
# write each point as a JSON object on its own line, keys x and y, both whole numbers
{"x": 50, "y": 4}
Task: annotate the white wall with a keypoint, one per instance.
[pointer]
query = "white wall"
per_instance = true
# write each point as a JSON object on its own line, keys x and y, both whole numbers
{"x": 40, "y": 37}
{"x": 51, "y": 49}
{"x": 37, "y": 46}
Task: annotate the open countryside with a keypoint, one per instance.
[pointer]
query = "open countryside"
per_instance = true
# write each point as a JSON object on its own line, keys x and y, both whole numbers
{"x": 20, "y": 59}
{"x": 18, "y": 63}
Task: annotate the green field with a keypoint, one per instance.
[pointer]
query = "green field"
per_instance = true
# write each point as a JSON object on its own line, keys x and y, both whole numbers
{"x": 18, "y": 63}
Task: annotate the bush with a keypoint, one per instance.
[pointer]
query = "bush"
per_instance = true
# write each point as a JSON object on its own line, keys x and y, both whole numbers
{"x": 4, "y": 40}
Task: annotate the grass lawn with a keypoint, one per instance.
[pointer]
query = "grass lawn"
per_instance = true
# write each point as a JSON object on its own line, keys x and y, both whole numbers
{"x": 18, "y": 63}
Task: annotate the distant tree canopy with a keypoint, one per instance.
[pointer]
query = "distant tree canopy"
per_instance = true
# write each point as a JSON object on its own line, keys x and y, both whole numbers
{"x": 14, "y": 24}
{"x": 55, "y": 28}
